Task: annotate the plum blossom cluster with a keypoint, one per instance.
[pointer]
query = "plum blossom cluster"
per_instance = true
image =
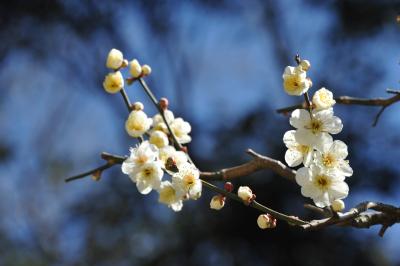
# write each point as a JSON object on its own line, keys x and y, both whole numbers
{"x": 322, "y": 177}
{"x": 156, "y": 155}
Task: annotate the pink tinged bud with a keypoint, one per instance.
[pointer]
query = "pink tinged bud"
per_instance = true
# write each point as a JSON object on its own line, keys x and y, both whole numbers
{"x": 228, "y": 186}
{"x": 163, "y": 103}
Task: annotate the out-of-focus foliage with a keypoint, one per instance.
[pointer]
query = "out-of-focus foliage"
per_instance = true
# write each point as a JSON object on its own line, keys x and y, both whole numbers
{"x": 220, "y": 65}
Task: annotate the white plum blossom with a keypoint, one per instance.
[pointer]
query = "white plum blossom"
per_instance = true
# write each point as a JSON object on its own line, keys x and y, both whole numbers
{"x": 323, "y": 187}
{"x": 115, "y": 59}
{"x": 148, "y": 177}
{"x": 139, "y": 156}
{"x": 181, "y": 130}
{"x": 313, "y": 129}
{"x": 158, "y": 138}
{"x": 179, "y": 157}
{"x": 137, "y": 123}
{"x": 295, "y": 81}
{"x": 332, "y": 158}
{"x": 297, "y": 153}
{"x": 187, "y": 181}
{"x": 323, "y": 99}
{"x": 169, "y": 196}
{"x": 113, "y": 82}
{"x": 158, "y": 121}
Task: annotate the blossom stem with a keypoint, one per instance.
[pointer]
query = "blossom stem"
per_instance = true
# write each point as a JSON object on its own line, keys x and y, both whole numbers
{"x": 126, "y": 99}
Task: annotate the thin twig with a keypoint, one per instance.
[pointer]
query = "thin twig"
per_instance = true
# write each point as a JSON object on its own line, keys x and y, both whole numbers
{"x": 256, "y": 205}
{"x": 384, "y": 102}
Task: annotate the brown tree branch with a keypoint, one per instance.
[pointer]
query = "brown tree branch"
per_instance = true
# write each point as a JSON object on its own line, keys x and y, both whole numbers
{"x": 259, "y": 162}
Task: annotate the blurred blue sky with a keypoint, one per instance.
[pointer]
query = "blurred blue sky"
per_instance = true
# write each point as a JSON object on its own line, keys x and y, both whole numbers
{"x": 216, "y": 66}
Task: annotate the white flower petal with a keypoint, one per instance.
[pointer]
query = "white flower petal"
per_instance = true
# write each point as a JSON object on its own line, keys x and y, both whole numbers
{"x": 299, "y": 118}
{"x": 293, "y": 157}
{"x": 339, "y": 148}
{"x": 289, "y": 139}
{"x": 143, "y": 188}
{"x": 303, "y": 176}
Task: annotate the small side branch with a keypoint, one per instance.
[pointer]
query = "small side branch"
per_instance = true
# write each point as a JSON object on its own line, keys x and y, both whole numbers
{"x": 383, "y": 102}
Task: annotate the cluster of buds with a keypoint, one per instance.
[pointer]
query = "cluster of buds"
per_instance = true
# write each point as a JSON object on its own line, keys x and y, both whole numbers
{"x": 114, "y": 81}
{"x": 311, "y": 144}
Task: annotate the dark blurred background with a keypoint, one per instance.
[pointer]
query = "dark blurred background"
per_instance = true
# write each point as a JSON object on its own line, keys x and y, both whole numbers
{"x": 220, "y": 65}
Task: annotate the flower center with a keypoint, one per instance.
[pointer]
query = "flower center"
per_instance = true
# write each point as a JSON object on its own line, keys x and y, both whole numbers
{"x": 141, "y": 159}
{"x": 316, "y": 126}
{"x": 167, "y": 195}
{"x": 303, "y": 148}
{"x": 328, "y": 160}
{"x": 189, "y": 180}
{"x": 322, "y": 182}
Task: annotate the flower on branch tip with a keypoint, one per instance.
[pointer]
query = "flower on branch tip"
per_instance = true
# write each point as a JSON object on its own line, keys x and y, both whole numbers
{"x": 323, "y": 99}
{"x": 115, "y": 59}
{"x": 295, "y": 81}
{"x": 113, "y": 82}
{"x": 135, "y": 69}
{"x": 169, "y": 196}
{"x": 187, "y": 181}
{"x": 158, "y": 138}
{"x": 137, "y": 123}
{"x": 245, "y": 193}
{"x": 297, "y": 153}
{"x": 323, "y": 187}
{"x": 265, "y": 221}
{"x": 332, "y": 158}
{"x": 148, "y": 177}
{"x": 217, "y": 202}
{"x": 338, "y": 205}
{"x": 181, "y": 130}
{"x": 139, "y": 156}
{"x": 158, "y": 121}
{"x": 313, "y": 129}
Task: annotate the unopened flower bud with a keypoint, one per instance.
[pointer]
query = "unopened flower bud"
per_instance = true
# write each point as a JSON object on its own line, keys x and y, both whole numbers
{"x": 217, "y": 202}
{"x": 159, "y": 138}
{"x": 115, "y": 59}
{"x": 138, "y": 106}
{"x": 163, "y": 103}
{"x": 245, "y": 194}
{"x": 146, "y": 70}
{"x": 338, "y": 205}
{"x": 135, "y": 68}
{"x": 305, "y": 65}
{"x": 125, "y": 63}
{"x": 265, "y": 221}
{"x": 228, "y": 186}
{"x": 113, "y": 82}
{"x": 323, "y": 99}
